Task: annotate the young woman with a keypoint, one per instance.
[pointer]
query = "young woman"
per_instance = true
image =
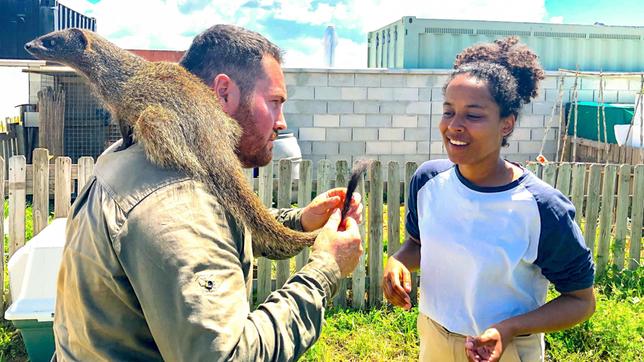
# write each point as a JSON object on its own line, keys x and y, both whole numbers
{"x": 488, "y": 235}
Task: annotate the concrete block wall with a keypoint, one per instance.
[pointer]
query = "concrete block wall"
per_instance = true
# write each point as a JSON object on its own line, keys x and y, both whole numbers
{"x": 394, "y": 114}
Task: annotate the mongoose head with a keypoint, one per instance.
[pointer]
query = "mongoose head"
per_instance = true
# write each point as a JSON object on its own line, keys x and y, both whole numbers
{"x": 65, "y": 46}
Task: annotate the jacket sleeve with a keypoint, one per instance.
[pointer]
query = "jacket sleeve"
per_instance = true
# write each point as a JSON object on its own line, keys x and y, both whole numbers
{"x": 183, "y": 257}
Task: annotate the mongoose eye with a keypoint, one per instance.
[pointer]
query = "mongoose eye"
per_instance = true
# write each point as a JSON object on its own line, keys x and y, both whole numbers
{"x": 49, "y": 43}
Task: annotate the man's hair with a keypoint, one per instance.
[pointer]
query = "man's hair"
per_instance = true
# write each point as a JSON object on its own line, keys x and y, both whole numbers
{"x": 231, "y": 50}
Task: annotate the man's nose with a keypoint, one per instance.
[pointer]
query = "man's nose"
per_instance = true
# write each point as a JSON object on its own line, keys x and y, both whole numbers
{"x": 280, "y": 124}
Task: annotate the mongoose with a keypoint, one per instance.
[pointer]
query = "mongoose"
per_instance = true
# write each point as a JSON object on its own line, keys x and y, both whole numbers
{"x": 179, "y": 123}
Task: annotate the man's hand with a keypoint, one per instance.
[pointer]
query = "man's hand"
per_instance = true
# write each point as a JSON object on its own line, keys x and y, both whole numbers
{"x": 396, "y": 283}
{"x": 316, "y": 214}
{"x": 488, "y": 347}
{"x": 343, "y": 243}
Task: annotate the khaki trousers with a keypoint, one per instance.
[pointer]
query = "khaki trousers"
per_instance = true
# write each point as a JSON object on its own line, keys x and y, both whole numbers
{"x": 437, "y": 344}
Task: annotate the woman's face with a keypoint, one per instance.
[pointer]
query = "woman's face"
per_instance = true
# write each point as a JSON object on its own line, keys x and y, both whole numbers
{"x": 471, "y": 125}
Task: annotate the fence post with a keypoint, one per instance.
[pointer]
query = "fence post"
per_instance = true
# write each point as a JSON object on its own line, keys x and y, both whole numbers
{"x": 62, "y": 186}
{"x": 324, "y": 176}
{"x": 375, "y": 233}
{"x": 304, "y": 187}
{"x": 578, "y": 188}
{"x": 636, "y": 218}
{"x": 606, "y": 217}
{"x": 360, "y": 273}
{"x": 41, "y": 189}
{"x": 51, "y": 106}
{"x": 341, "y": 172}
{"x": 623, "y": 203}
{"x": 85, "y": 171}
{"x": 550, "y": 173}
{"x": 563, "y": 179}
{"x": 264, "y": 278}
{"x": 393, "y": 207}
{"x": 284, "y": 201}
{"x": 17, "y": 196}
{"x": 410, "y": 168}
{"x": 592, "y": 206}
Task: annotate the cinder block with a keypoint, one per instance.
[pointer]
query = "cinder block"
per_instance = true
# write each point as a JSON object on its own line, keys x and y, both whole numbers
{"x": 616, "y": 84}
{"x": 437, "y": 94}
{"x": 353, "y": 148}
{"x": 305, "y": 107}
{"x": 391, "y": 134}
{"x": 549, "y": 82}
{"x": 326, "y": 148}
{"x": 537, "y": 134}
{"x": 338, "y": 134}
{"x": 417, "y": 134}
{"x": 512, "y": 147}
{"x": 530, "y": 120}
{"x": 419, "y": 80}
{"x": 544, "y": 108}
{"x": 380, "y": 94}
{"x": 306, "y": 79}
{"x": 436, "y": 107}
{"x": 326, "y": 120}
{"x": 530, "y": 147}
{"x": 435, "y": 134}
{"x": 590, "y": 83}
{"x": 423, "y": 147}
{"x": 610, "y": 96}
{"x": 378, "y": 120}
{"x": 367, "y": 80}
{"x": 425, "y": 94}
{"x": 353, "y": 93}
{"x": 341, "y": 79}
{"x": 365, "y": 134}
{"x": 394, "y": 107}
{"x": 626, "y": 96}
{"x": 352, "y": 120}
{"x": 635, "y": 85}
{"x": 366, "y": 107}
{"x": 328, "y": 93}
{"x": 404, "y": 121}
{"x": 436, "y": 148}
{"x": 552, "y": 95}
{"x": 378, "y": 148}
{"x": 418, "y": 108}
{"x": 296, "y": 92}
{"x": 305, "y": 147}
{"x": 392, "y": 80}
{"x": 521, "y": 134}
{"x": 403, "y": 148}
{"x": 405, "y": 94}
{"x": 340, "y": 107}
{"x": 312, "y": 134}
{"x": 424, "y": 121}
{"x": 584, "y": 95}
{"x": 297, "y": 120}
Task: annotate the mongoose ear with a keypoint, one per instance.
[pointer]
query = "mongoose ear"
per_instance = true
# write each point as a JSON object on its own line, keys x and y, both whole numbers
{"x": 80, "y": 36}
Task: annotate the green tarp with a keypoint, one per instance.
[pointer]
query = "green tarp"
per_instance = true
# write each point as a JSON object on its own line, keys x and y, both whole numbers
{"x": 587, "y": 119}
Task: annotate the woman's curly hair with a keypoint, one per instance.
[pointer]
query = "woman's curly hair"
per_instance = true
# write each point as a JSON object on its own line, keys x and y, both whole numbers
{"x": 511, "y": 70}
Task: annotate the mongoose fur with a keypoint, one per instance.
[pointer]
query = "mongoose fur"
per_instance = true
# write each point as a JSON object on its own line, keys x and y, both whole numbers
{"x": 179, "y": 123}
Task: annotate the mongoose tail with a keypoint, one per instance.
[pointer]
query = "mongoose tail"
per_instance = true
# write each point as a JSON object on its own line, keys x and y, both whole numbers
{"x": 179, "y": 123}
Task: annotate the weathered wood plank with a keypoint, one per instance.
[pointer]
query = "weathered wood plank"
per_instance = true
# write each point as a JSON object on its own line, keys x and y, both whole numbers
{"x": 550, "y": 173}
{"x": 324, "y": 176}
{"x": 621, "y": 217}
{"x": 606, "y": 217}
{"x": 304, "y": 186}
{"x": 578, "y": 188}
{"x": 375, "y": 233}
{"x": 636, "y": 219}
{"x": 284, "y": 201}
{"x": 17, "y": 199}
{"x": 264, "y": 285}
{"x": 359, "y": 278}
{"x": 342, "y": 172}
{"x": 592, "y": 206}
{"x": 85, "y": 171}
{"x": 41, "y": 189}
{"x": 393, "y": 207}
{"x": 63, "y": 187}
{"x": 563, "y": 178}
{"x": 410, "y": 168}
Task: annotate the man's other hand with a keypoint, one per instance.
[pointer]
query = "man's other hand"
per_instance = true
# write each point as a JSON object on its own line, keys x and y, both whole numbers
{"x": 316, "y": 214}
{"x": 342, "y": 242}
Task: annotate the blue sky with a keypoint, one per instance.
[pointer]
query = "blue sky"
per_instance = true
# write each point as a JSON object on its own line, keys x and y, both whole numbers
{"x": 298, "y": 25}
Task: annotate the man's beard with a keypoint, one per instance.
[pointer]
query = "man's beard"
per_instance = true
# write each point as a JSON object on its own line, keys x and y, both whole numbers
{"x": 248, "y": 155}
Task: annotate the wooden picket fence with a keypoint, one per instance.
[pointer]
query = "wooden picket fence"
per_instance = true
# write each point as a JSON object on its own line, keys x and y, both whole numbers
{"x": 610, "y": 195}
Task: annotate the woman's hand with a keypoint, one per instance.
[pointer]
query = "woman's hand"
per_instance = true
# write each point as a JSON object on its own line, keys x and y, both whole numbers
{"x": 396, "y": 283}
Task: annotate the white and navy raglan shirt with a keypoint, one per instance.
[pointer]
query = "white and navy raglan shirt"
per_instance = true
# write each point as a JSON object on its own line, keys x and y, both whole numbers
{"x": 488, "y": 253}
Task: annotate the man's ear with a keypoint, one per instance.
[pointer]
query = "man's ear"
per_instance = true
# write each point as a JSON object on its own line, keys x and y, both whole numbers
{"x": 227, "y": 92}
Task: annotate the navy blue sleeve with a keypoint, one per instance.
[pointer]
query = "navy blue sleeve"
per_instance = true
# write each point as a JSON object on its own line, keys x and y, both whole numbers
{"x": 424, "y": 173}
{"x": 562, "y": 255}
